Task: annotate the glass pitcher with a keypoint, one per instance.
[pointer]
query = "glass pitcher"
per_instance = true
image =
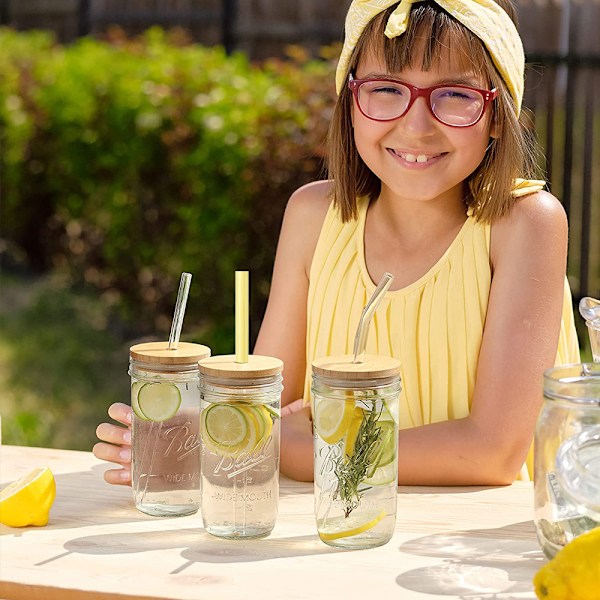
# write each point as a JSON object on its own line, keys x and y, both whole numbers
{"x": 567, "y": 456}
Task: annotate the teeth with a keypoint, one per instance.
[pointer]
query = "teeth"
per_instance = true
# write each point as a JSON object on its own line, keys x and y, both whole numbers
{"x": 420, "y": 158}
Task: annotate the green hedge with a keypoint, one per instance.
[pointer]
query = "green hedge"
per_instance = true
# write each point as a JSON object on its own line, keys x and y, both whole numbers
{"x": 129, "y": 161}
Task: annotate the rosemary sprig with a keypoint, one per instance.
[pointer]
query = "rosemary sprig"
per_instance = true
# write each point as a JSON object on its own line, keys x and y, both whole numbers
{"x": 352, "y": 471}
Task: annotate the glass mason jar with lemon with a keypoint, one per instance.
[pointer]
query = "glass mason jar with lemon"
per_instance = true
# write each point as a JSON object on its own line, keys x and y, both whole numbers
{"x": 165, "y": 427}
{"x": 355, "y": 418}
{"x": 239, "y": 423}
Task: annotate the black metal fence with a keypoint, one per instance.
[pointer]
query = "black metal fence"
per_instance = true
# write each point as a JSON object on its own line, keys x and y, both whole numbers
{"x": 563, "y": 91}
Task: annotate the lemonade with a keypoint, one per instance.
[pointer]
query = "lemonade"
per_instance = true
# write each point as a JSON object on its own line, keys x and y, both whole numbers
{"x": 240, "y": 429}
{"x": 355, "y": 418}
{"x": 166, "y": 428}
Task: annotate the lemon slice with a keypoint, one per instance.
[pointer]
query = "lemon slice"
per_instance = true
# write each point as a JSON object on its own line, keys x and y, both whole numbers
{"x": 383, "y": 452}
{"x": 226, "y": 429}
{"x": 383, "y": 475}
{"x": 352, "y": 433}
{"x": 343, "y": 527}
{"x": 158, "y": 401}
{"x": 135, "y": 390}
{"x": 28, "y": 500}
{"x": 333, "y": 418}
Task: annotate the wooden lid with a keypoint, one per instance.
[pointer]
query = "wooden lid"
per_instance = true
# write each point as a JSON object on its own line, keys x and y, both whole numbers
{"x": 158, "y": 353}
{"x": 225, "y": 366}
{"x": 342, "y": 367}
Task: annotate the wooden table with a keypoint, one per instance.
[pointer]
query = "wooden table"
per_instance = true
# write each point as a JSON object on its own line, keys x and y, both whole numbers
{"x": 467, "y": 543}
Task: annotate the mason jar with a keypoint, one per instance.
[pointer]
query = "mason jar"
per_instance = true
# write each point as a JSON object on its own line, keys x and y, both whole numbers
{"x": 165, "y": 437}
{"x": 355, "y": 422}
{"x": 240, "y": 429}
{"x": 567, "y": 456}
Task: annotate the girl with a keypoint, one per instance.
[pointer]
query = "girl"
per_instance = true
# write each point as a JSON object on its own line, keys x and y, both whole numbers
{"x": 425, "y": 155}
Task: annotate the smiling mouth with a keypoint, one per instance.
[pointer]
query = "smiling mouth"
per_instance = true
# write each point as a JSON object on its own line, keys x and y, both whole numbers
{"x": 416, "y": 158}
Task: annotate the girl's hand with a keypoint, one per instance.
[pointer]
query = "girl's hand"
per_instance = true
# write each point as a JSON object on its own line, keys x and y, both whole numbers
{"x": 292, "y": 408}
{"x": 115, "y": 444}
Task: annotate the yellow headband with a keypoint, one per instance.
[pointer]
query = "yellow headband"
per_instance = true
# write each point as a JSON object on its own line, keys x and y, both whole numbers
{"x": 484, "y": 18}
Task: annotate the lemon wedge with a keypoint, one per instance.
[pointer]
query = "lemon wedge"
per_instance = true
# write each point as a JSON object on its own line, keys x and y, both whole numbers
{"x": 28, "y": 500}
{"x": 333, "y": 418}
{"x": 343, "y": 527}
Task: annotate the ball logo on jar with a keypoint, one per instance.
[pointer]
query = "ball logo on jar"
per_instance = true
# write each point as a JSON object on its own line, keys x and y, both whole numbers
{"x": 328, "y": 458}
{"x": 182, "y": 442}
{"x": 234, "y": 465}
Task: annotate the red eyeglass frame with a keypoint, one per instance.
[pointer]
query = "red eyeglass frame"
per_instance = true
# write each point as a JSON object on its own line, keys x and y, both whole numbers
{"x": 416, "y": 92}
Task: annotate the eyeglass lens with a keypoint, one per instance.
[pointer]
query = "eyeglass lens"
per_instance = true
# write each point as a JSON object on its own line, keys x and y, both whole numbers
{"x": 385, "y": 100}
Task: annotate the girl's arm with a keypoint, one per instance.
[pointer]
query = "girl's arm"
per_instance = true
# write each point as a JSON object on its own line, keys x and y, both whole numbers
{"x": 282, "y": 335}
{"x": 283, "y": 330}
{"x": 528, "y": 256}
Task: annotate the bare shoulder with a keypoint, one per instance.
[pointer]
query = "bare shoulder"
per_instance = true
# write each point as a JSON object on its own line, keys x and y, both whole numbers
{"x": 536, "y": 223}
{"x": 303, "y": 221}
{"x": 309, "y": 204}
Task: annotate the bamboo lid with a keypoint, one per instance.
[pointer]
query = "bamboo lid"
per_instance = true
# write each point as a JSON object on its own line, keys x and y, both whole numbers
{"x": 158, "y": 353}
{"x": 225, "y": 366}
{"x": 342, "y": 367}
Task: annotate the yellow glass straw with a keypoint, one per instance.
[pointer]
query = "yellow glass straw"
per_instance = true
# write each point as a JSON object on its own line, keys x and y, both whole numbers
{"x": 241, "y": 316}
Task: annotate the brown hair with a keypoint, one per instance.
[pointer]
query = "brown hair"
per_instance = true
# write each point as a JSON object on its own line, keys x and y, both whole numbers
{"x": 434, "y": 33}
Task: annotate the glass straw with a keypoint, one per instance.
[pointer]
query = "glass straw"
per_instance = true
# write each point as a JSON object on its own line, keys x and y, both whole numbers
{"x": 360, "y": 340}
{"x": 241, "y": 316}
{"x": 182, "y": 296}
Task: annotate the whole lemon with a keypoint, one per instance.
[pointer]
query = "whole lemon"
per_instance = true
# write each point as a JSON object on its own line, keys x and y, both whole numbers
{"x": 574, "y": 573}
{"x": 28, "y": 500}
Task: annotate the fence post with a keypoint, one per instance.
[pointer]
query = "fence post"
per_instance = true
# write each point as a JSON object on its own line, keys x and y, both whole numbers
{"x": 83, "y": 18}
{"x": 4, "y": 12}
{"x": 227, "y": 25}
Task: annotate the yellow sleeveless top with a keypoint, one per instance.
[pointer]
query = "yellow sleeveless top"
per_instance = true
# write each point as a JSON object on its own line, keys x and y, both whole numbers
{"x": 434, "y": 326}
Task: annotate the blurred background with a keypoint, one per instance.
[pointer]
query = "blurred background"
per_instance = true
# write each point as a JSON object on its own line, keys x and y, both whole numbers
{"x": 144, "y": 138}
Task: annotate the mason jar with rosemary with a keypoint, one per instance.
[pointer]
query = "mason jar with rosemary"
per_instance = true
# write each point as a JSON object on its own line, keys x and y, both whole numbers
{"x": 355, "y": 421}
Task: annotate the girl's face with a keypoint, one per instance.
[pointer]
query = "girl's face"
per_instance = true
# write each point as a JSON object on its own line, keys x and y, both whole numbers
{"x": 415, "y": 156}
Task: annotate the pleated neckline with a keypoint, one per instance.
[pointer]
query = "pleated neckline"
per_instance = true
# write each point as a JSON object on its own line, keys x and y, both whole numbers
{"x": 419, "y": 283}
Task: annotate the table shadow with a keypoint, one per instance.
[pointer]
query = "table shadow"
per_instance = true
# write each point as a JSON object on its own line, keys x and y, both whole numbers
{"x": 197, "y": 546}
{"x": 479, "y": 564}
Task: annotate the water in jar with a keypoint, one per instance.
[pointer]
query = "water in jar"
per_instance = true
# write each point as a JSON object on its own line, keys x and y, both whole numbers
{"x": 356, "y": 468}
{"x": 166, "y": 447}
{"x": 240, "y": 467}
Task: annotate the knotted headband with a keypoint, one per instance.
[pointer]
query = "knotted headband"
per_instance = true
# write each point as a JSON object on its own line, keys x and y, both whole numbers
{"x": 486, "y": 19}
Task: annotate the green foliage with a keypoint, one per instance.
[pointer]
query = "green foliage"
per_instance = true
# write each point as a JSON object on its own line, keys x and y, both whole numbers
{"x": 130, "y": 161}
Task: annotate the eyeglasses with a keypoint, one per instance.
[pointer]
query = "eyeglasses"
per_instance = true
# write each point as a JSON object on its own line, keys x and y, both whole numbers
{"x": 389, "y": 99}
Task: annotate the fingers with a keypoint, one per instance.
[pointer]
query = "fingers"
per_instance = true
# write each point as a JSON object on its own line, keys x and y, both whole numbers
{"x": 115, "y": 454}
{"x": 118, "y": 476}
{"x": 113, "y": 434}
{"x": 292, "y": 407}
{"x": 111, "y": 453}
{"x": 120, "y": 412}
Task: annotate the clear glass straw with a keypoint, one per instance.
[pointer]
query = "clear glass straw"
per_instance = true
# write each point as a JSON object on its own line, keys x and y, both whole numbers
{"x": 241, "y": 316}
{"x": 589, "y": 308}
{"x": 182, "y": 296}
{"x": 360, "y": 340}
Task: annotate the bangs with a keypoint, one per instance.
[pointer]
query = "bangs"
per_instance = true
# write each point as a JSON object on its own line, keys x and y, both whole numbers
{"x": 432, "y": 38}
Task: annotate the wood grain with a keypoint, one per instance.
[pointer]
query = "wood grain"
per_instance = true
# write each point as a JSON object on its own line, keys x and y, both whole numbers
{"x": 449, "y": 543}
